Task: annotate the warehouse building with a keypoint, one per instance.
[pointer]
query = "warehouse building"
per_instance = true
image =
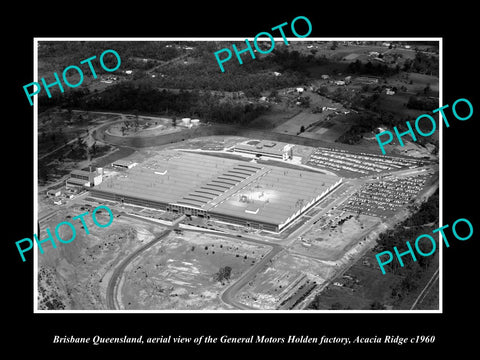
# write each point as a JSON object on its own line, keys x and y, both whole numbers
{"x": 232, "y": 191}
{"x": 276, "y": 150}
{"x": 123, "y": 164}
{"x": 83, "y": 178}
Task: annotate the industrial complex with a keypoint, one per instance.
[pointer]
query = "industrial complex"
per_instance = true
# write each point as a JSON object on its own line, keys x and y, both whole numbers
{"x": 267, "y": 192}
{"x": 234, "y": 191}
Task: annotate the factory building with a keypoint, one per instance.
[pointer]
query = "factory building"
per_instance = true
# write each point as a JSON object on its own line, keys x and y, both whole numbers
{"x": 84, "y": 178}
{"x": 277, "y": 150}
{"x": 233, "y": 191}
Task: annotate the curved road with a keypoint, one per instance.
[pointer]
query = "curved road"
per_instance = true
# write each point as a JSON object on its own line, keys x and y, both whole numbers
{"x": 112, "y": 283}
{"x": 227, "y": 295}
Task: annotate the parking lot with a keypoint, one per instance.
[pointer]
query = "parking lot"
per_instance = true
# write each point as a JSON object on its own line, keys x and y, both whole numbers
{"x": 383, "y": 198}
{"x": 349, "y": 164}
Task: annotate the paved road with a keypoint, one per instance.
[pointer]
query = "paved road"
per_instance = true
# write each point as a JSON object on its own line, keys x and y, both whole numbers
{"x": 112, "y": 283}
{"x": 426, "y": 289}
{"x": 90, "y": 130}
{"x": 228, "y": 295}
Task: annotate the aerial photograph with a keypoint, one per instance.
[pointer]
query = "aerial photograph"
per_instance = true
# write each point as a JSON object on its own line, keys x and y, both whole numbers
{"x": 258, "y": 188}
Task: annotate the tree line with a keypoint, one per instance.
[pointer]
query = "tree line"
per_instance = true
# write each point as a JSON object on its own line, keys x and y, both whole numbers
{"x": 409, "y": 229}
{"x": 66, "y": 53}
{"x": 144, "y": 98}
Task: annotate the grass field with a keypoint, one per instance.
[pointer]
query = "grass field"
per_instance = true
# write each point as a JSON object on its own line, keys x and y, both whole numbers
{"x": 292, "y": 126}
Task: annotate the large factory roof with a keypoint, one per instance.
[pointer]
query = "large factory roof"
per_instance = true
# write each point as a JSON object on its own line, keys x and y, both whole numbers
{"x": 231, "y": 187}
{"x": 276, "y": 195}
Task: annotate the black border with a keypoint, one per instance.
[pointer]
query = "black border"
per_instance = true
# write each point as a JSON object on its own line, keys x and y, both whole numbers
{"x": 456, "y": 25}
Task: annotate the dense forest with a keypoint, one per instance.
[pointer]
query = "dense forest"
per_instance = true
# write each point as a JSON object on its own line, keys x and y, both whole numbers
{"x": 423, "y": 64}
{"x": 192, "y": 66}
{"x": 363, "y": 123}
{"x": 142, "y": 97}
{"x": 373, "y": 69}
{"x": 133, "y": 54}
{"x": 252, "y": 77}
{"x": 422, "y": 103}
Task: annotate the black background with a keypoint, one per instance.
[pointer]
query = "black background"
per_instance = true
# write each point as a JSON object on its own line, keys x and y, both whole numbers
{"x": 455, "y": 24}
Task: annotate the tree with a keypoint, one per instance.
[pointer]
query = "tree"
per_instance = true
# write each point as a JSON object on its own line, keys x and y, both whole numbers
{"x": 302, "y": 129}
{"x": 323, "y": 90}
{"x": 93, "y": 149}
{"x": 274, "y": 95}
{"x": 223, "y": 273}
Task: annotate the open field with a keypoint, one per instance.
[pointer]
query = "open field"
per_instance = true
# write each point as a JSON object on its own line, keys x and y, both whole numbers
{"x": 293, "y": 125}
{"x": 144, "y": 127}
{"x": 178, "y": 273}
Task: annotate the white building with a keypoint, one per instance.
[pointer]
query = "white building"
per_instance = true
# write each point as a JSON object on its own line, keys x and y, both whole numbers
{"x": 123, "y": 164}
{"x": 55, "y": 193}
{"x": 287, "y": 152}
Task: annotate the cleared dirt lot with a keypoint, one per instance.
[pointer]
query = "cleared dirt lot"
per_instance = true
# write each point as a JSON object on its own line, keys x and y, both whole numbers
{"x": 284, "y": 279}
{"x": 75, "y": 275}
{"x": 179, "y": 272}
{"x": 333, "y": 235}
